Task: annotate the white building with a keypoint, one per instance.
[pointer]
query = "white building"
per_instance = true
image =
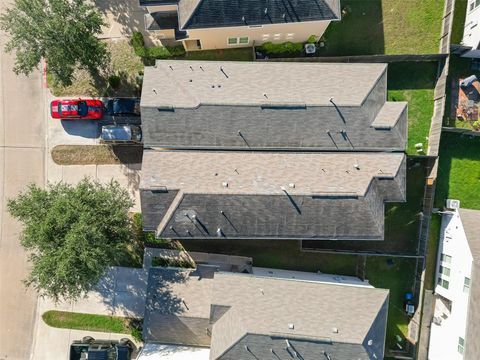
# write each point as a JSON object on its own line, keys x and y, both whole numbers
{"x": 455, "y": 328}
{"x": 471, "y": 31}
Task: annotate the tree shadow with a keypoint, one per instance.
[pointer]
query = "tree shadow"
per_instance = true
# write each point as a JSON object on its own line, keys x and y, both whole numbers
{"x": 126, "y": 13}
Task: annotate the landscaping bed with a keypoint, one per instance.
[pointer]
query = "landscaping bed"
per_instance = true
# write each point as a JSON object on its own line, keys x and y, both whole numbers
{"x": 385, "y": 27}
{"x": 97, "y": 154}
{"x": 459, "y": 170}
{"x": 92, "y": 322}
{"x": 433, "y": 241}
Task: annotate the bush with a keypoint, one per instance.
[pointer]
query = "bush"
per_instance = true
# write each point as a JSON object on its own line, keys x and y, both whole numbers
{"x": 114, "y": 81}
{"x": 287, "y": 48}
{"x": 312, "y": 39}
{"x": 154, "y": 52}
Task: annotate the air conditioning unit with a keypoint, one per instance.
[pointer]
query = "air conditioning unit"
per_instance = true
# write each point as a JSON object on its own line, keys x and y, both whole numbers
{"x": 453, "y": 204}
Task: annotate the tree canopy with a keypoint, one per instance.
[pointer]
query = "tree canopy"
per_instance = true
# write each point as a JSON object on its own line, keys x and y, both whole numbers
{"x": 63, "y": 32}
{"x": 72, "y": 233}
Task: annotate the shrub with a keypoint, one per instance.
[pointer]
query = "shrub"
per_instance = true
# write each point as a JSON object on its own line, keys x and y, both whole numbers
{"x": 287, "y": 48}
{"x": 476, "y": 125}
{"x": 114, "y": 81}
{"x": 312, "y": 39}
{"x": 154, "y": 52}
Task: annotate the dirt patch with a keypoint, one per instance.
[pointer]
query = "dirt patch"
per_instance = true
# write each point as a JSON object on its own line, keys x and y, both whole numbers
{"x": 97, "y": 154}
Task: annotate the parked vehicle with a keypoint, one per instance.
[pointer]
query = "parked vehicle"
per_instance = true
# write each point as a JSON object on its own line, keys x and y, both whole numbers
{"x": 121, "y": 134}
{"x": 123, "y": 106}
{"x": 91, "y": 349}
{"x": 79, "y": 109}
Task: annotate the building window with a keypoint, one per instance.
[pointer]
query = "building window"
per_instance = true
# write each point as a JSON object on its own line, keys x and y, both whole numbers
{"x": 232, "y": 41}
{"x": 243, "y": 40}
{"x": 276, "y": 36}
{"x": 443, "y": 283}
{"x": 446, "y": 259}
{"x": 289, "y": 36}
{"x": 474, "y": 4}
{"x": 444, "y": 270}
{"x": 265, "y": 36}
{"x": 461, "y": 345}
{"x": 466, "y": 285}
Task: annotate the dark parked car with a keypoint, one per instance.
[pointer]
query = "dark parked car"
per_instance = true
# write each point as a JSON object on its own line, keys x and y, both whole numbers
{"x": 123, "y": 106}
{"x": 91, "y": 349}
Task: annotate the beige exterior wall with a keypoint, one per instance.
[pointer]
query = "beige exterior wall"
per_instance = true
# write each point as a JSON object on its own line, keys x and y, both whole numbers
{"x": 217, "y": 38}
{"x": 152, "y": 9}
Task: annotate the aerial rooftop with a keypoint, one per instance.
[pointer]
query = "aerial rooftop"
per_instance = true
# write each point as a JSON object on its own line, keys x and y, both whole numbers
{"x": 256, "y": 105}
{"x": 306, "y": 316}
{"x": 189, "y": 84}
{"x": 195, "y": 194}
{"x": 267, "y": 173}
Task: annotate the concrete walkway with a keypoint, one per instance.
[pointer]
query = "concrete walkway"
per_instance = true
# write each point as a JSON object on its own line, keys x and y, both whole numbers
{"x": 121, "y": 292}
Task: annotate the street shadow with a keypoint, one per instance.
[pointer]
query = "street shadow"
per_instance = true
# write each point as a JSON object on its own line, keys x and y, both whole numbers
{"x": 83, "y": 128}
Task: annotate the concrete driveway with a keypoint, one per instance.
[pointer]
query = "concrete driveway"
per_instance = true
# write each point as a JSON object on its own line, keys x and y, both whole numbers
{"x": 22, "y": 151}
{"x": 87, "y": 132}
{"x": 121, "y": 292}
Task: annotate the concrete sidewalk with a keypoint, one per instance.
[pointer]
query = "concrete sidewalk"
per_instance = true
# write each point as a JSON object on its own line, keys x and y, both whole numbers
{"x": 121, "y": 292}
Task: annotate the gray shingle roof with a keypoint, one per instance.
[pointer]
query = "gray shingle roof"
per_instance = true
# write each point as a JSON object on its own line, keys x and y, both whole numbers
{"x": 270, "y": 195}
{"x": 257, "y": 83}
{"x": 271, "y": 106}
{"x": 251, "y": 315}
{"x": 266, "y": 306}
{"x": 196, "y": 14}
{"x": 471, "y": 226}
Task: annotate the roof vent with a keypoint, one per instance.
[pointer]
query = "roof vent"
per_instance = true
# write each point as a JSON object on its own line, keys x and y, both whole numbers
{"x": 291, "y": 186}
{"x": 356, "y": 166}
{"x": 225, "y": 184}
{"x": 335, "y": 330}
{"x": 291, "y": 326}
{"x": 265, "y": 11}
{"x": 370, "y": 342}
{"x": 220, "y": 232}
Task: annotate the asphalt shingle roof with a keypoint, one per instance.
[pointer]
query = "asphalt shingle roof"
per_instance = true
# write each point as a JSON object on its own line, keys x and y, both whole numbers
{"x": 270, "y": 195}
{"x": 341, "y": 321}
{"x": 195, "y": 14}
{"x": 233, "y": 105}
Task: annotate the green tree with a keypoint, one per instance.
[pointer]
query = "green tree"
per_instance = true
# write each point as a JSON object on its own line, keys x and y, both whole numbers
{"x": 60, "y": 31}
{"x": 72, "y": 234}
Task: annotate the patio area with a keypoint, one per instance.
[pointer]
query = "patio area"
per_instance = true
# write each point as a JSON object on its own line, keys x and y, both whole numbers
{"x": 465, "y": 102}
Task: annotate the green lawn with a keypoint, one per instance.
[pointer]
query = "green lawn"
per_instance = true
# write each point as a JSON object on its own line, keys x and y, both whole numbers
{"x": 386, "y": 27}
{"x": 399, "y": 279}
{"x": 280, "y": 254}
{"x": 459, "y": 170}
{"x": 401, "y": 219}
{"x": 458, "y": 21}
{"x": 414, "y": 82}
{"x": 91, "y": 322}
{"x": 433, "y": 240}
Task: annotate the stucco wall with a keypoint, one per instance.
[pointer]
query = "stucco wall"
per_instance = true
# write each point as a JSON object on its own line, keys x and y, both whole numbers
{"x": 217, "y": 38}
